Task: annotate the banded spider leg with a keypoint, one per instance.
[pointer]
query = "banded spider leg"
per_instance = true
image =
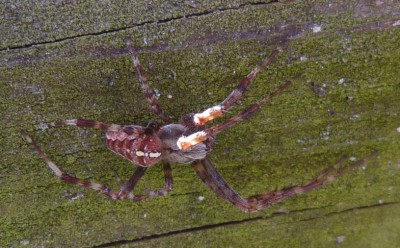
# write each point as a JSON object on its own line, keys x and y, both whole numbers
{"x": 126, "y": 188}
{"x": 151, "y": 99}
{"x": 185, "y": 142}
{"x": 200, "y": 119}
{"x": 210, "y": 176}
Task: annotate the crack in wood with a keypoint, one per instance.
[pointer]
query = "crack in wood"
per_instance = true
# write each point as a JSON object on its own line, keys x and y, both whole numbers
{"x": 237, "y": 222}
{"x": 110, "y": 31}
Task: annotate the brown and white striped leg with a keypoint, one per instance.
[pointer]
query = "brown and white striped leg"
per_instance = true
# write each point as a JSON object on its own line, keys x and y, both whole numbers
{"x": 125, "y": 191}
{"x": 185, "y": 142}
{"x": 209, "y": 114}
{"x": 66, "y": 177}
{"x": 129, "y": 129}
{"x": 151, "y": 99}
{"x": 83, "y": 123}
{"x": 206, "y": 171}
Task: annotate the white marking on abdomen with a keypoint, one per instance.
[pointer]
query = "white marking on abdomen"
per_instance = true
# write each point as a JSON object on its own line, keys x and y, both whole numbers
{"x": 148, "y": 154}
{"x": 154, "y": 154}
{"x": 139, "y": 153}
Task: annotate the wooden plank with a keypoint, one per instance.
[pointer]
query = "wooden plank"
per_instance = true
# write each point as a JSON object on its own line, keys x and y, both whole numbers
{"x": 346, "y": 102}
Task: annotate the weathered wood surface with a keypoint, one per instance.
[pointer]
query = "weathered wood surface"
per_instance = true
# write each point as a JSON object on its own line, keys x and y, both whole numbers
{"x": 67, "y": 59}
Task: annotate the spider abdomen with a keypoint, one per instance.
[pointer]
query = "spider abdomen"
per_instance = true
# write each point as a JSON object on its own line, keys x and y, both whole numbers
{"x": 141, "y": 148}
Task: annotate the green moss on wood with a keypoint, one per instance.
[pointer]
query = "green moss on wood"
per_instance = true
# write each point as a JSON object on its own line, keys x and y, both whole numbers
{"x": 197, "y": 61}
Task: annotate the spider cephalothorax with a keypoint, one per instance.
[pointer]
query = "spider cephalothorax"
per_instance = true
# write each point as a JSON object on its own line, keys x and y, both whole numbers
{"x": 187, "y": 142}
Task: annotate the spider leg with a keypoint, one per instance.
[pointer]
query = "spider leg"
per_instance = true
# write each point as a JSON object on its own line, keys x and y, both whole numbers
{"x": 84, "y": 123}
{"x": 158, "y": 192}
{"x": 168, "y": 181}
{"x": 195, "y": 138}
{"x": 66, "y": 177}
{"x": 119, "y": 180}
{"x": 129, "y": 186}
{"x": 249, "y": 111}
{"x": 200, "y": 119}
{"x": 129, "y": 129}
{"x": 124, "y": 192}
{"x": 151, "y": 99}
{"x": 209, "y": 175}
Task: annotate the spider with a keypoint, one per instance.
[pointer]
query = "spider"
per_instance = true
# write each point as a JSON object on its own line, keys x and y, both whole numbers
{"x": 187, "y": 142}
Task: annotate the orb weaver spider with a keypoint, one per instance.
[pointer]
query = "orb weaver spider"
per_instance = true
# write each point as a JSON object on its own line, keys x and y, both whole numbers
{"x": 185, "y": 142}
